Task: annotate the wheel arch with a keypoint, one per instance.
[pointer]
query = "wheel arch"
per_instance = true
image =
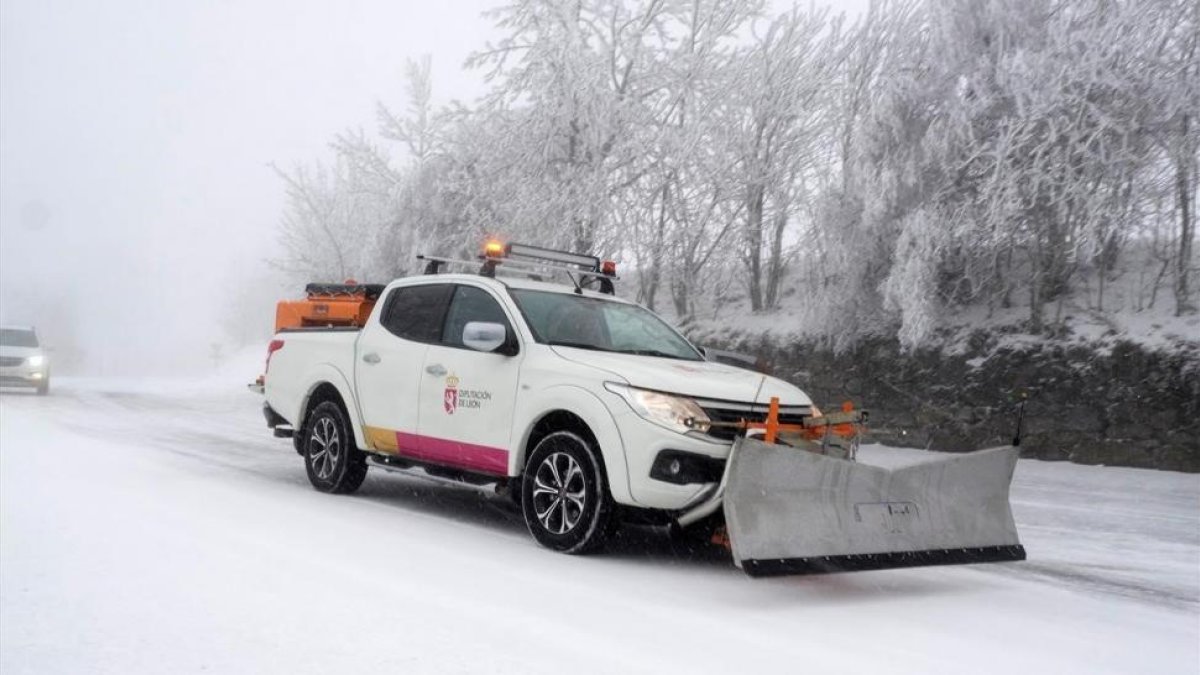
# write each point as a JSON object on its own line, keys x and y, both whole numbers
{"x": 331, "y": 385}
{"x": 570, "y": 407}
{"x": 552, "y": 421}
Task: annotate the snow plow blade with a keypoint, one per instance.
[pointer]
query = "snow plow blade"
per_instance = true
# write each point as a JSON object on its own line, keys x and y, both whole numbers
{"x": 789, "y": 511}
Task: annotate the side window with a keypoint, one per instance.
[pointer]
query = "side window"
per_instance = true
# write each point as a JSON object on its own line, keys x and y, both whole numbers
{"x": 471, "y": 304}
{"x": 416, "y": 312}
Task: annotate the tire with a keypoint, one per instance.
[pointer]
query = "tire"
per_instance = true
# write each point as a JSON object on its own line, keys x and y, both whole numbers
{"x": 43, "y": 388}
{"x": 564, "y": 495}
{"x": 333, "y": 462}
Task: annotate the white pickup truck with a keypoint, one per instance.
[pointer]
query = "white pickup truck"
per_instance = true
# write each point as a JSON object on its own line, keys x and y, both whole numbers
{"x": 586, "y": 408}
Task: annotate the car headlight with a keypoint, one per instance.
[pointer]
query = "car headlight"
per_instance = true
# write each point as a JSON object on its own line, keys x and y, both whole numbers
{"x": 36, "y": 361}
{"x": 677, "y": 413}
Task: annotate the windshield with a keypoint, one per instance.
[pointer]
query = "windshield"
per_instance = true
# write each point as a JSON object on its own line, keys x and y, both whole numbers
{"x": 17, "y": 337}
{"x": 590, "y": 323}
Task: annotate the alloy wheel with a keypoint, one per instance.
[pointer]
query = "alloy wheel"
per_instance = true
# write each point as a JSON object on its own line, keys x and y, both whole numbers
{"x": 559, "y": 493}
{"x": 325, "y": 447}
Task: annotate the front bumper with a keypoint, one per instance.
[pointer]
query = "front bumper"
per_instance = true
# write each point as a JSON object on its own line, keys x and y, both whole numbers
{"x": 24, "y": 376}
{"x": 644, "y": 441}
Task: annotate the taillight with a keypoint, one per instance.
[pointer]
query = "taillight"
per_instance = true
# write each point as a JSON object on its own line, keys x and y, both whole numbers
{"x": 275, "y": 346}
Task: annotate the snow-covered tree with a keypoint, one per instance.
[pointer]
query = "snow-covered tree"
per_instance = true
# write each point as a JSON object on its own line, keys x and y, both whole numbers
{"x": 929, "y": 155}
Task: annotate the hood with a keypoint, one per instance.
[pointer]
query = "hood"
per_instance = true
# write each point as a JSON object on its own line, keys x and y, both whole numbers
{"x": 698, "y": 379}
{"x": 23, "y": 352}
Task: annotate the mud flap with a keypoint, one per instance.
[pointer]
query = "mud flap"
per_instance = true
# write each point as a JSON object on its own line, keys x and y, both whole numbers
{"x": 794, "y": 512}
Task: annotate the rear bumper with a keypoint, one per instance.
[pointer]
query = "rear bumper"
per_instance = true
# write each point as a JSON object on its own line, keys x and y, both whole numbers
{"x": 273, "y": 418}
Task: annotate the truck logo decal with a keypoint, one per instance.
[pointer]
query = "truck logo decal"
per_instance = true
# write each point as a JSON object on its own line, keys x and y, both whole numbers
{"x": 456, "y": 398}
{"x": 450, "y": 398}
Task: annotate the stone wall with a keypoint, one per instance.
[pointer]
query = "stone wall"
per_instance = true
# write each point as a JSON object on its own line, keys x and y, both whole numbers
{"x": 1118, "y": 404}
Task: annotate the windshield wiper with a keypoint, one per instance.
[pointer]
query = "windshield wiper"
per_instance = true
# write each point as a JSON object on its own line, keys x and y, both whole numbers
{"x": 654, "y": 352}
{"x": 637, "y": 352}
{"x": 578, "y": 345}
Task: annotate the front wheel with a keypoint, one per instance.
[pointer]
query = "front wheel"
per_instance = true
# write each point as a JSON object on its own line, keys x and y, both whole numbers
{"x": 331, "y": 458}
{"x": 564, "y": 495}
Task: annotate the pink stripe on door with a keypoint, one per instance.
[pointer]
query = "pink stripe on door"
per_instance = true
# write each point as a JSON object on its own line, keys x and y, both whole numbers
{"x": 479, "y": 458}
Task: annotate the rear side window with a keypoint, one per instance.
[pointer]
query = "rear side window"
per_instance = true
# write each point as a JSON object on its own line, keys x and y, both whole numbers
{"x": 416, "y": 312}
{"x": 471, "y": 304}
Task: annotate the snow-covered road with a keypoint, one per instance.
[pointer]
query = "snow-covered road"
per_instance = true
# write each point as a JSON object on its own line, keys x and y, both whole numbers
{"x": 158, "y": 527}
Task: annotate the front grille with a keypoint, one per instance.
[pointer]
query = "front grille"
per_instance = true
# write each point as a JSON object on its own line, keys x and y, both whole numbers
{"x": 10, "y": 361}
{"x": 730, "y": 411}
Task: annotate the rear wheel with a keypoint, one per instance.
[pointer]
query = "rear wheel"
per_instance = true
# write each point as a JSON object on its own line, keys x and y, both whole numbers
{"x": 564, "y": 495}
{"x": 332, "y": 460}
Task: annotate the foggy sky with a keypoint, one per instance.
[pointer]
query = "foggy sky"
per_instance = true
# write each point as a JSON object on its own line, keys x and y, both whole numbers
{"x": 146, "y": 130}
{"x": 135, "y": 143}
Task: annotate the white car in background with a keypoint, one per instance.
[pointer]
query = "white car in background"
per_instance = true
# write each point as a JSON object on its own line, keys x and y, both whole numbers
{"x": 23, "y": 362}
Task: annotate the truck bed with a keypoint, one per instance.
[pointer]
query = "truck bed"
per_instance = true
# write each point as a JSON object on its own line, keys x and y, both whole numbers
{"x": 305, "y": 353}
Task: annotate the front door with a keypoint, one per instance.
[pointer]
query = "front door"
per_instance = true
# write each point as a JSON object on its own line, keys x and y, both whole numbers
{"x": 467, "y": 397}
{"x": 389, "y": 358}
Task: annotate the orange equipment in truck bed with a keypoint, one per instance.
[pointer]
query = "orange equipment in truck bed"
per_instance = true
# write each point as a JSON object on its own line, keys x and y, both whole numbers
{"x": 346, "y": 304}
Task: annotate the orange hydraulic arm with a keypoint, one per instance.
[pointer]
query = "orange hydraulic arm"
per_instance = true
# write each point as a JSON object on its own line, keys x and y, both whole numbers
{"x": 815, "y": 431}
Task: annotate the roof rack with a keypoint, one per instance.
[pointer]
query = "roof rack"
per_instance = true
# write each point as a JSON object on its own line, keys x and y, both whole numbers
{"x": 532, "y": 261}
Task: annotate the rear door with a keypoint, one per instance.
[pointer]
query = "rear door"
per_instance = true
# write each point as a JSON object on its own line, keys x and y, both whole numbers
{"x": 389, "y": 358}
{"x": 467, "y": 396}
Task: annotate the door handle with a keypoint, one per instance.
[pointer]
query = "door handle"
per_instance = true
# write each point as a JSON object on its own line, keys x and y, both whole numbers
{"x": 371, "y": 358}
{"x": 437, "y": 370}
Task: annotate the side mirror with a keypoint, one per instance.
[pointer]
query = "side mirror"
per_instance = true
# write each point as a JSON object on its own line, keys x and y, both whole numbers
{"x": 483, "y": 336}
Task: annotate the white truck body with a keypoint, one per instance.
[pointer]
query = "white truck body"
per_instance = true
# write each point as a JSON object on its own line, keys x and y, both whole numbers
{"x": 590, "y": 411}
{"x": 446, "y": 405}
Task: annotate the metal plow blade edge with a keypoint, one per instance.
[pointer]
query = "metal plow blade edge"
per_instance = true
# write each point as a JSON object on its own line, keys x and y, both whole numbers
{"x": 794, "y": 512}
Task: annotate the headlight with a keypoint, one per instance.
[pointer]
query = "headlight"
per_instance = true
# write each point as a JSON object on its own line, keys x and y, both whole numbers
{"x": 36, "y": 361}
{"x": 677, "y": 413}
